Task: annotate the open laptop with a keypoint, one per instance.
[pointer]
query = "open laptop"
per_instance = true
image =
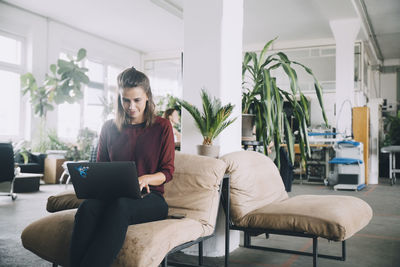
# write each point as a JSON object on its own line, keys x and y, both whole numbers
{"x": 104, "y": 180}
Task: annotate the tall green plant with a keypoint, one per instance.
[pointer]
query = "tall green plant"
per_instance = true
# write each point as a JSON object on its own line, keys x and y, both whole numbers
{"x": 214, "y": 118}
{"x": 392, "y": 130}
{"x": 267, "y": 99}
{"x": 63, "y": 84}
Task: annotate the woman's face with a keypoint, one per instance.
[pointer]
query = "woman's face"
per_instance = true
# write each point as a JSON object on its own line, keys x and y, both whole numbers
{"x": 134, "y": 102}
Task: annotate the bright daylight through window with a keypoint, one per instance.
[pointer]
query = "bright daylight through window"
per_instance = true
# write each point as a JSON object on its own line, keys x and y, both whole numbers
{"x": 10, "y": 69}
{"x": 93, "y": 110}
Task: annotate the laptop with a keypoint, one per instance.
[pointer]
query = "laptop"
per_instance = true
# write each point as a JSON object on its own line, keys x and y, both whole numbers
{"x": 105, "y": 180}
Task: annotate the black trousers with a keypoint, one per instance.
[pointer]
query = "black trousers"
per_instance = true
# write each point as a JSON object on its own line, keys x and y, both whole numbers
{"x": 100, "y": 227}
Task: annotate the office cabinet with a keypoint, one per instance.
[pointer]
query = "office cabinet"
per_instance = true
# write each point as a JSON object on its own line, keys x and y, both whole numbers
{"x": 361, "y": 133}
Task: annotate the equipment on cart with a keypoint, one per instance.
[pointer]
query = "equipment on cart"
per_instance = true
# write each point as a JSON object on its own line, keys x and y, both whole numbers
{"x": 349, "y": 165}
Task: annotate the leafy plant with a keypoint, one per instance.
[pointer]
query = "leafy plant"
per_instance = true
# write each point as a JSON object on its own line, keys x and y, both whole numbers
{"x": 21, "y": 151}
{"x": 54, "y": 142}
{"x": 85, "y": 141}
{"x": 167, "y": 102}
{"x": 266, "y": 99}
{"x": 63, "y": 84}
{"x": 392, "y": 130}
{"x": 214, "y": 118}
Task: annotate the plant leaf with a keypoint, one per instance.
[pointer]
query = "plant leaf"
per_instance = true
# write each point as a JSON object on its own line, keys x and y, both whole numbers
{"x": 264, "y": 51}
{"x": 289, "y": 140}
{"x": 81, "y": 54}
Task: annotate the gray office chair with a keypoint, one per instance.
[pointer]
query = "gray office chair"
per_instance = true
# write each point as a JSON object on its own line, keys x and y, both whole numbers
{"x": 7, "y": 168}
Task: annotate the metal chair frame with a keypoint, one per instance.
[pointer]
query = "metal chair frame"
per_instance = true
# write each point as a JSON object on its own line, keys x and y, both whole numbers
{"x": 248, "y": 232}
{"x": 199, "y": 241}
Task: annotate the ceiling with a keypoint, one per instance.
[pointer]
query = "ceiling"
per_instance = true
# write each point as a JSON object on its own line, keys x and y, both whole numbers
{"x": 157, "y": 25}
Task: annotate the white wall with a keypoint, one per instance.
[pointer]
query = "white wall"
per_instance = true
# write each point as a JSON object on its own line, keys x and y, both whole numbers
{"x": 388, "y": 85}
{"x": 45, "y": 39}
{"x": 316, "y": 118}
{"x": 388, "y": 82}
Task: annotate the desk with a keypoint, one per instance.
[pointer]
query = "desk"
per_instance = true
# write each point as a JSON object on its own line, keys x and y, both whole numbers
{"x": 27, "y": 182}
{"x": 392, "y": 150}
{"x": 318, "y": 161}
{"x": 315, "y": 161}
{"x": 52, "y": 169}
{"x": 253, "y": 143}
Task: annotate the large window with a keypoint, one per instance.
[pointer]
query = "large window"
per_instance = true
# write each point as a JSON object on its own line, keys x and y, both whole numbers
{"x": 95, "y": 107}
{"x": 11, "y": 67}
{"x": 165, "y": 78}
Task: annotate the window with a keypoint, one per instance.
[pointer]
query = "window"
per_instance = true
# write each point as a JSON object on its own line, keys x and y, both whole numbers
{"x": 94, "y": 93}
{"x": 11, "y": 67}
{"x": 98, "y": 97}
{"x": 165, "y": 79}
{"x": 68, "y": 116}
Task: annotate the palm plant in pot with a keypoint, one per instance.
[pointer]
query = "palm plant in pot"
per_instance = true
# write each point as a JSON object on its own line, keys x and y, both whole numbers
{"x": 211, "y": 122}
{"x": 265, "y": 99}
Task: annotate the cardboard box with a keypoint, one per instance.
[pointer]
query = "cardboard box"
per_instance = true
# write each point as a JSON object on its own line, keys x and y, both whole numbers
{"x": 52, "y": 170}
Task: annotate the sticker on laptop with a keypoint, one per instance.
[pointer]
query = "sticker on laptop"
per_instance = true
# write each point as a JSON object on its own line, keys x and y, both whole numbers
{"x": 82, "y": 171}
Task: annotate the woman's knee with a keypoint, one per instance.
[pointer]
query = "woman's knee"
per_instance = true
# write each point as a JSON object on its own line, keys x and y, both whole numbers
{"x": 119, "y": 206}
{"x": 93, "y": 207}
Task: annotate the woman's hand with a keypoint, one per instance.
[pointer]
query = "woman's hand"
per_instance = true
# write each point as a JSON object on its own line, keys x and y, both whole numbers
{"x": 144, "y": 181}
{"x": 151, "y": 179}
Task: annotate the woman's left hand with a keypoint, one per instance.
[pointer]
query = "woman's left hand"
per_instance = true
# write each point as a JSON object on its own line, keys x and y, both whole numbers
{"x": 144, "y": 182}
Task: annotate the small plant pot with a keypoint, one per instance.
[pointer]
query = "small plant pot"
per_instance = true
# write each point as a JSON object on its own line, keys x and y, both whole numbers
{"x": 207, "y": 150}
{"x": 248, "y": 125}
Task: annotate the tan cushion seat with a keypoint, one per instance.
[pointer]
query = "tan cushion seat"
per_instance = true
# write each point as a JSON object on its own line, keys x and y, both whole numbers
{"x": 259, "y": 200}
{"x": 192, "y": 191}
{"x": 333, "y": 217}
{"x": 145, "y": 244}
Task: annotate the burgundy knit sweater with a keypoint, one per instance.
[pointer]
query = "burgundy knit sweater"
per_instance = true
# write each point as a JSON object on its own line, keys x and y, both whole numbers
{"x": 152, "y": 148}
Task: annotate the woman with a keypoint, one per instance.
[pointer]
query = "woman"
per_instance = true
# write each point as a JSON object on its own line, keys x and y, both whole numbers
{"x": 135, "y": 135}
{"x": 173, "y": 116}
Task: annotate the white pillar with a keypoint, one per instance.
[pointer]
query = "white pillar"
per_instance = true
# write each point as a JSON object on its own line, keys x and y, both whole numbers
{"x": 345, "y": 32}
{"x": 212, "y": 60}
{"x": 375, "y": 113}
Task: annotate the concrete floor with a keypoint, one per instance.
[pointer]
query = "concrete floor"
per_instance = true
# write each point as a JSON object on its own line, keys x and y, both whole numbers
{"x": 377, "y": 245}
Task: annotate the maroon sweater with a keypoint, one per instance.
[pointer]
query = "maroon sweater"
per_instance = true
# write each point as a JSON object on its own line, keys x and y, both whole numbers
{"x": 152, "y": 148}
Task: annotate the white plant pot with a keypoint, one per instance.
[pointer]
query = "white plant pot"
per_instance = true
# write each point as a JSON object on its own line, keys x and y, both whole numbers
{"x": 207, "y": 150}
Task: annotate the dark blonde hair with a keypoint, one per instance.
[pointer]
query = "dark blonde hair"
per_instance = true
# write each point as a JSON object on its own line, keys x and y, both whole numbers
{"x": 127, "y": 79}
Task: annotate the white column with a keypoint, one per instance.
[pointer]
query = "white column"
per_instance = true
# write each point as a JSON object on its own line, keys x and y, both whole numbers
{"x": 345, "y": 32}
{"x": 375, "y": 113}
{"x": 212, "y": 60}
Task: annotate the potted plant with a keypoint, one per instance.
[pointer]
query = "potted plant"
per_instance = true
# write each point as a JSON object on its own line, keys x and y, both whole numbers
{"x": 211, "y": 122}
{"x": 63, "y": 84}
{"x": 392, "y": 130}
{"x": 262, "y": 95}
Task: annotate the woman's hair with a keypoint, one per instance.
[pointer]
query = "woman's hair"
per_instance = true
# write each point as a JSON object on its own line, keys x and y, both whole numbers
{"x": 168, "y": 113}
{"x": 127, "y": 79}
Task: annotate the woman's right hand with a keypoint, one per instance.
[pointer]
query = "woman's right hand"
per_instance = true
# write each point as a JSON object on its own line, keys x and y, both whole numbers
{"x": 144, "y": 182}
